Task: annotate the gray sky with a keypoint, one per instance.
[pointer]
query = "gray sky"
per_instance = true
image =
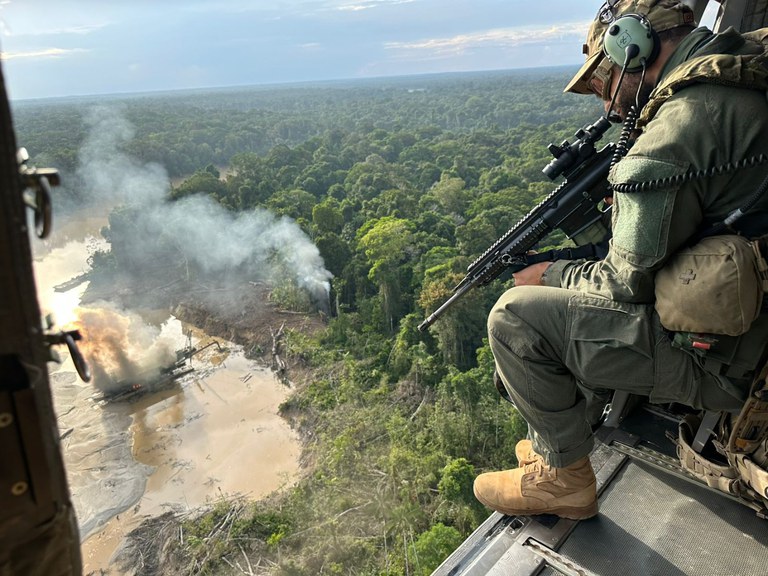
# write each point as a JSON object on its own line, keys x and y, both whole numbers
{"x": 64, "y": 48}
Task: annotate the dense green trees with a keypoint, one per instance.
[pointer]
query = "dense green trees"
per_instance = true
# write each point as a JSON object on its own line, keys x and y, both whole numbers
{"x": 400, "y": 183}
{"x": 386, "y": 243}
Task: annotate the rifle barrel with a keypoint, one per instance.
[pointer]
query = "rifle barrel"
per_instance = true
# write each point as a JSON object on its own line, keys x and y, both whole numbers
{"x": 461, "y": 289}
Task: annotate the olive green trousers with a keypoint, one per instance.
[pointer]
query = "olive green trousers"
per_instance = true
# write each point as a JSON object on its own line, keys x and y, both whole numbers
{"x": 559, "y": 352}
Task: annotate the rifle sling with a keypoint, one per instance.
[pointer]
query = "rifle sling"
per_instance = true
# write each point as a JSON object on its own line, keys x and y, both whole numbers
{"x": 587, "y": 251}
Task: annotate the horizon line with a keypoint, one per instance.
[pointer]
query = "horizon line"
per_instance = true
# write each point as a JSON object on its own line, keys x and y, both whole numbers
{"x": 289, "y": 83}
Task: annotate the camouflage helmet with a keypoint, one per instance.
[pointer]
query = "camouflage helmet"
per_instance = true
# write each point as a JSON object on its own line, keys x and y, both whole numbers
{"x": 662, "y": 14}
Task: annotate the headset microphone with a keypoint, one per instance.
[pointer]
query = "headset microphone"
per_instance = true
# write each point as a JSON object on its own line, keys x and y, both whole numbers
{"x": 630, "y": 52}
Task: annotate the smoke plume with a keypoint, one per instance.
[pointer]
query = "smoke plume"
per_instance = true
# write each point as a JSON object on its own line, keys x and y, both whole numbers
{"x": 257, "y": 244}
{"x": 108, "y": 174}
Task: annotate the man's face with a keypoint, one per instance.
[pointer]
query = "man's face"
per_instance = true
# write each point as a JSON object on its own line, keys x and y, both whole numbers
{"x": 629, "y": 91}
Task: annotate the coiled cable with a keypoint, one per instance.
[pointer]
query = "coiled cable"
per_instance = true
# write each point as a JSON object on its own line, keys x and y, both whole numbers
{"x": 622, "y": 146}
{"x": 630, "y": 122}
{"x": 679, "y": 179}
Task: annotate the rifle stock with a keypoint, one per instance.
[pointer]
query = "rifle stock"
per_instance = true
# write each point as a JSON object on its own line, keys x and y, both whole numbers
{"x": 574, "y": 208}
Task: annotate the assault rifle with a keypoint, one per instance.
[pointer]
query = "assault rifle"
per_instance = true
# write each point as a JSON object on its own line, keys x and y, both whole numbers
{"x": 574, "y": 208}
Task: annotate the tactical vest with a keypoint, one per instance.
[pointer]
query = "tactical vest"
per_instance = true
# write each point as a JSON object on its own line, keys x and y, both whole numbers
{"x": 746, "y": 67}
{"x": 737, "y": 461}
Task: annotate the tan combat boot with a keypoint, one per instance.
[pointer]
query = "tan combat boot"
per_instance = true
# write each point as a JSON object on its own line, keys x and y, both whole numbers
{"x": 524, "y": 452}
{"x": 536, "y": 488}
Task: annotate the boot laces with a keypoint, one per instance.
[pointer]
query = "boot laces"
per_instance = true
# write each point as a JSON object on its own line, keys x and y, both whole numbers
{"x": 534, "y": 466}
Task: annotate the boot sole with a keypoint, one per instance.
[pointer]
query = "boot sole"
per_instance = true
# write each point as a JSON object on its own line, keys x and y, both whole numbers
{"x": 569, "y": 512}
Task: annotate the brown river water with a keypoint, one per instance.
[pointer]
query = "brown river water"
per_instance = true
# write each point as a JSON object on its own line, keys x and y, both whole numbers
{"x": 215, "y": 433}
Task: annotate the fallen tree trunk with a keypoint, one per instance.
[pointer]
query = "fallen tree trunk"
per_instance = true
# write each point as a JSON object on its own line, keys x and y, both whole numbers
{"x": 278, "y": 364}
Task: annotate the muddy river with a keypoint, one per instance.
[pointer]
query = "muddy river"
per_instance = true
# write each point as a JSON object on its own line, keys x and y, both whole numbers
{"x": 214, "y": 433}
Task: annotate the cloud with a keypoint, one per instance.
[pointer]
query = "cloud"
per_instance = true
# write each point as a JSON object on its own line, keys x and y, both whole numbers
{"x": 44, "y": 53}
{"x": 290, "y": 8}
{"x": 35, "y": 27}
{"x": 69, "y": 30}
{"x": 368, "y": 4}
{"x": 495, "y": 38}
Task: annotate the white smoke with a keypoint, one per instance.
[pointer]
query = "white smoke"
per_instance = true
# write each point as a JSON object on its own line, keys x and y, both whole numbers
{"x": 108, "y": 174}
{"x": 204, "y": 232}
{"x": 218, "y": 241}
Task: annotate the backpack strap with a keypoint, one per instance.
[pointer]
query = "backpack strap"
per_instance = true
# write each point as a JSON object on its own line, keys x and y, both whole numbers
{"x": 751, "y": 425}
{"x": 755, "y": 477}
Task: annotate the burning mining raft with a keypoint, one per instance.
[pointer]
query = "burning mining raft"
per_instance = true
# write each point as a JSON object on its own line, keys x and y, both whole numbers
{"x": 128, "y": 357}
{"x": 151, "y": 381}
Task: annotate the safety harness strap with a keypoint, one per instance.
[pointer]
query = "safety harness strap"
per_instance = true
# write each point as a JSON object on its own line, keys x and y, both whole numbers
{"x": 722, "y": 476}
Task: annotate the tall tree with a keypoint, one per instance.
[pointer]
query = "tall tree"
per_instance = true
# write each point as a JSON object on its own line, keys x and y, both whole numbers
{"x": 386, "y": 243}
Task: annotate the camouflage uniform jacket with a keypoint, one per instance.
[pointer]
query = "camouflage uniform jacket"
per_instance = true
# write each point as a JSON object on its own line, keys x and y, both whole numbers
{"x": 708, "y": 109}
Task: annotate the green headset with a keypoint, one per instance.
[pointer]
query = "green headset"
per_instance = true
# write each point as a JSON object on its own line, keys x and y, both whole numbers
{"x": 631, "y": 41}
